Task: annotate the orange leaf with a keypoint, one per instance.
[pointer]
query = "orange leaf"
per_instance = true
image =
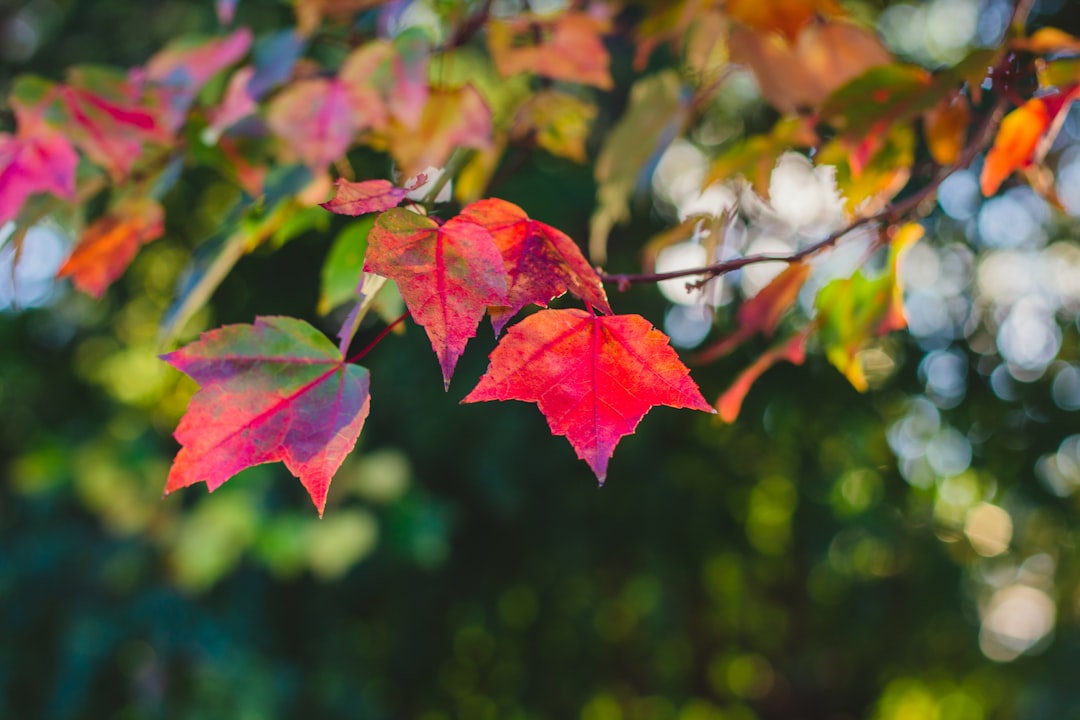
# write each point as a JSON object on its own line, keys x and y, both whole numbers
{"x": 1014, "y": 144}
{"x": 787, "y": 17}
{"x": 792, "y": 350}
{"x": 946, "y": 126}
{"x": 800, "y": 75}
{"x": 762, "y": 312}
{"x": 110, "y": 243}
{"x": 570, "y": 48}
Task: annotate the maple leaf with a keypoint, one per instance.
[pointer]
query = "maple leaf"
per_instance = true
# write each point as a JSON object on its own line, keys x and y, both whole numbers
{"x": 1024, "y": 136}
{"x": 360, "y": 198}
{"x": 541, "y": 262}
{"x": 110, "y": 243}
{"x": 593, "y": 377}
{"x": 569, "y": 48}
{"x": 33, "y": 163}
{"x": 275, "y": 390}
{"x": 448, "y": 275}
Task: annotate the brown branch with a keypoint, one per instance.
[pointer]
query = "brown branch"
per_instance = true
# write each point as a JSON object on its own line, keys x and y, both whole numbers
{"x": 890, "y": 214}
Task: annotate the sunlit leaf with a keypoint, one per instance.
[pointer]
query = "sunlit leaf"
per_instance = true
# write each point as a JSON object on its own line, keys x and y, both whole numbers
{"x": 594, "y": 378}
{"x": 945, "y": 126}
{"x": 786, "y": 17}
{"x": 275, "y": 390}
{"x": 448, "y": 274}
{"x": 541, "y": 262}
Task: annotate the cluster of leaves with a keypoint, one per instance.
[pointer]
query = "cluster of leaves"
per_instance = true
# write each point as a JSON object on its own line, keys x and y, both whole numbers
{"x": 276, "y": 115}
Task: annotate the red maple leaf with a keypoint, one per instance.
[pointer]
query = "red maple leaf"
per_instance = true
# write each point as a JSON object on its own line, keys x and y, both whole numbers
{"x": 111, "y": 242}
{"x": 448, "y": 275}
{"x": 275, "y": 390}
{"x": 360, "y": 198}
{"x": 541, "y": 262}
{"x": 592, "y": 377}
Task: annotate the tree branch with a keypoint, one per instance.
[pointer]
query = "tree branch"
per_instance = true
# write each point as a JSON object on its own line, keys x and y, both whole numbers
{"x": 890, "y": 214}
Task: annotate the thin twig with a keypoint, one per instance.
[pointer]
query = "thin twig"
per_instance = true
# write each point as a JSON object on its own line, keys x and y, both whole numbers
{"x": 889, "y": 215}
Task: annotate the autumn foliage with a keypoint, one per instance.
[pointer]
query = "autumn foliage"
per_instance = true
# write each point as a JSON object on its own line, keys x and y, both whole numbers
{"x": 282, "y": 122}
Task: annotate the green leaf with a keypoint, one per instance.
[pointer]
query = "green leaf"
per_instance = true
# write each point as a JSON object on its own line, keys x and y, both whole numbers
{"x": 344, "y": 265}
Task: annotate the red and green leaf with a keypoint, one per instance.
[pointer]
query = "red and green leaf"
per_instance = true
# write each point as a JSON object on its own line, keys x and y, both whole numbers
{"x": 275, "y": 390}
{"x": 448, "y": 275}
{"x": 594, "y": 378}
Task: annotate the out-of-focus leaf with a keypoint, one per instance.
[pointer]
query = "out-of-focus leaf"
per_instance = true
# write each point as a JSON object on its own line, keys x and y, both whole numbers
{"x": 559, "y": 123}
{"x": 568, "y": 47}
{"x": 870, "y": 171}
{"x": 186, "y": 65}
{"x": 1048, "y": 40}
{"x": 593, "y": 377}
{"x": 853, "y": 310}
{"x": 755, "y": 157}
{"x": 310, "y": 13}
{"x": 451, "y": 119}
{"x": 945, "y": 126}
{"x": 1024, "y": 137}
{"x": 275, "y": 56}
{"x": 42, "y": 162}
{"x": 105, "y": 115}
{"x": 316, "y": 120}
{"x": 226, "y": 11}
{"x": 762, "y": 312}
{"x": 792, "y": 350}
{"x": 654, "y": 117}
{"x": 111, "y": 242}
{"x": 786, "y": 17}
{"x": 802, "y": 75}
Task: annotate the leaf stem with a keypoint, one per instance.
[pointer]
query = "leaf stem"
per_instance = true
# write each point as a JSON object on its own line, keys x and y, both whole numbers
{"x": 453, "y": 167}
{"x": 378, "y": 338}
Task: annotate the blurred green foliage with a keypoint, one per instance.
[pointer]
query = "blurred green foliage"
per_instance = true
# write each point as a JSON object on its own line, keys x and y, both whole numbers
{"x": 468, "y": 566}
